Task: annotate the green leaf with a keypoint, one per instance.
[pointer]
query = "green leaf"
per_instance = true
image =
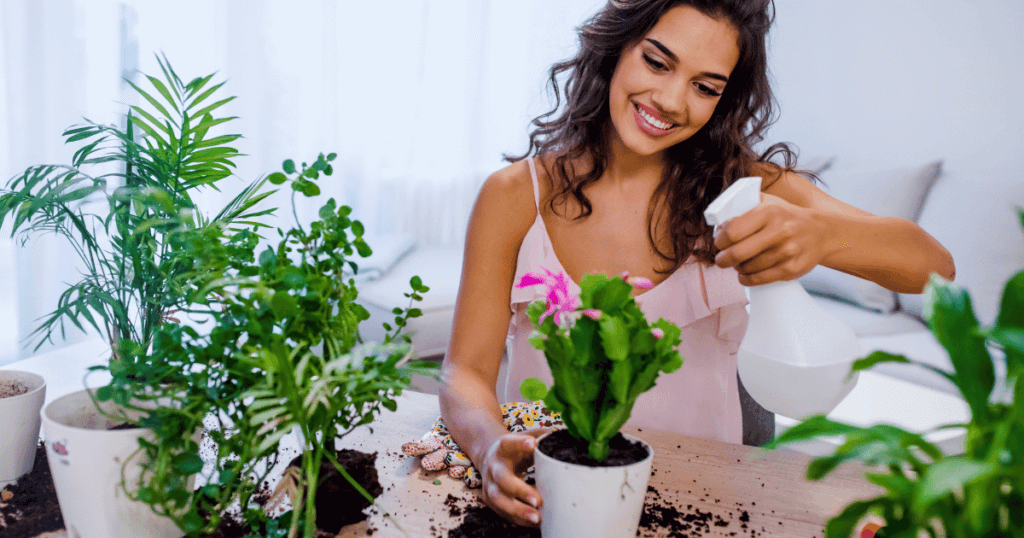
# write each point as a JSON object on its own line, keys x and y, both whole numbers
{"x": 1011, "y": 315}
{"x": 813, "y": 427}
{"x": 310, "y": 189}
{"x": 277, "y": 178}
{"x": 952, "y": 320}
{"x": 533, "y": 389}
{"x": 877, "y": 357}
{"x": 288, "y": 166}
{"x": 842, "y": 525}
{"x": 187, "y": 463}
{"x": 946, "y": 475}
{"x": 614, "y": 337}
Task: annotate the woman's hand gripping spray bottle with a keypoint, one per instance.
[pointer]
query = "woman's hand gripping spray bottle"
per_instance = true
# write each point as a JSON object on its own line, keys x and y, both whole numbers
{"x": 795, "y": 357}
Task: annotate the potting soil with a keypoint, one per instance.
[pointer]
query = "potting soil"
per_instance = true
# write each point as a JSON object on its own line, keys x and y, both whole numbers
{"x": 29, "y": 507}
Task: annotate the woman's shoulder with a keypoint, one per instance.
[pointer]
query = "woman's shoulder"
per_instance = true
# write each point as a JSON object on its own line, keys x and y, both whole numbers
{"x": 508, "y": 195}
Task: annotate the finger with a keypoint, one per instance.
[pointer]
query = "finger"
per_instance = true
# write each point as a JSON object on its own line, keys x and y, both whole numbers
{"x": 511, "y": 509}
{"x": 765, "y": 260}
{"x": 777, "y": 273}
{"x": 739, "y": 228}
{"x": 764, "y": 240}
{"x": 512, "y": 485}
{"x": 510, "y": 496}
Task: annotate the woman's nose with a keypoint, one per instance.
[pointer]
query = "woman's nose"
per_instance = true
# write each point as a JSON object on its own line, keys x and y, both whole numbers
{"x": 671, "y": 101}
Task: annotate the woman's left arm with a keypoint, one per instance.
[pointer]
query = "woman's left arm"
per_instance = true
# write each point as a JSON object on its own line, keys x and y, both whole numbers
{"x": 797, "y": 227}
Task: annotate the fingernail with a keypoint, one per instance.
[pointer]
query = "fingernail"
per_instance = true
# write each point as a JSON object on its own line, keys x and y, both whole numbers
{"x": 534, "y": 517}
{"x": 528, "y": 444}
{"x": 532, "y": 500}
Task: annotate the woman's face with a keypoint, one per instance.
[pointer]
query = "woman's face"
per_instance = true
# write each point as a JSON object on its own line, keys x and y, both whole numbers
{"x": 665, "y": 87}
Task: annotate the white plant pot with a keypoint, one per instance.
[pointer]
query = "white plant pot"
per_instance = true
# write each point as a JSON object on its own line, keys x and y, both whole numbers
{"x": 19, "y": 425}
{"x": 87, "y": 460}
{"x": 596, "y": 502}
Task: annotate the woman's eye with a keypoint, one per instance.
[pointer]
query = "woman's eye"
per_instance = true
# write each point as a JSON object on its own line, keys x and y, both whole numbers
{"x": 708, "y": 90}
{"x": 653, "y": 63}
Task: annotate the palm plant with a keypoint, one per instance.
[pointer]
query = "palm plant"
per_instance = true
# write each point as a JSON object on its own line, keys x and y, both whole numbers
{"x": 133, "y": 279}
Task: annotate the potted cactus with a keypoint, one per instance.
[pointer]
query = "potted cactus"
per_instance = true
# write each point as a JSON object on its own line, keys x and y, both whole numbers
{"x": 603, "y": 354}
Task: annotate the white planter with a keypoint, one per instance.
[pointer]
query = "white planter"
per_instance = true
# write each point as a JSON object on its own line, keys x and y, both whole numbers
{"x": 87, "y": 460}
{"x": 19, "y": 425}
{"x": 596, "y": 502}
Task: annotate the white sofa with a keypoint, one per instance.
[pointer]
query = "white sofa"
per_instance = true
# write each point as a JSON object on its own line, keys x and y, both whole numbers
{"x": 970, "y": 211}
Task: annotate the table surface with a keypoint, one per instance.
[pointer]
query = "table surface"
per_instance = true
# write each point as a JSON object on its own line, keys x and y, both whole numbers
{"x": 748, "y": 491}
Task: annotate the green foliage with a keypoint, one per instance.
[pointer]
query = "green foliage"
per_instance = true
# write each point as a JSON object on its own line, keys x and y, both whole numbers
{"x": 283, "y": 353}
{"x": 979, "y": 493}
{"x": 120, "y": 201}
{"x": 600, "y": 367}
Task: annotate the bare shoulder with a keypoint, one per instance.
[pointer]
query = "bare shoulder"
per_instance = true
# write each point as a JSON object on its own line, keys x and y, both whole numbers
{"x": 770, "y": 173}
{"x": 507, "y": 197}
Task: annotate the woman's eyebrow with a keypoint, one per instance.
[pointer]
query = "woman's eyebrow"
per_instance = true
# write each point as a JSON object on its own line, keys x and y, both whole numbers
{"x": 671, "y": 56}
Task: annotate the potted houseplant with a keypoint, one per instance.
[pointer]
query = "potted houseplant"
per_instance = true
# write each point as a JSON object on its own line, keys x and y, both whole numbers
{"x": 603, "y": 354}
{"x": 283, "y": 356}
{"x": 979, "y": 493}
{"x": 109, "y": 203}
{"x": 21, "y": 398}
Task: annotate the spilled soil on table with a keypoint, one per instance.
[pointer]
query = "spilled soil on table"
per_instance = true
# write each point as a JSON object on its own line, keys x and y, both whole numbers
{"x": 337, "y": 502}
{"x": 29, "y": 506}
{"x": 660, "y": 517}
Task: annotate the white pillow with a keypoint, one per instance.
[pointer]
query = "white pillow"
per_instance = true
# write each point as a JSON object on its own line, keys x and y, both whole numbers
{"x": 973, "y": 214}
{"x": 892, "y": 192}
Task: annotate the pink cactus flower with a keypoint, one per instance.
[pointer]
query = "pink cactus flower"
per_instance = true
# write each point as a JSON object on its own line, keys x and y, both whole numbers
{"x": 658, "y": 333}
{"x": 560, "y": 302}
{"x": 593, "y": 314}
{"x": 640, "y": 282}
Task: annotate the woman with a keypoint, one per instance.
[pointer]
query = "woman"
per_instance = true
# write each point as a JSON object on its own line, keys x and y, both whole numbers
{"x": 664, "y": 102}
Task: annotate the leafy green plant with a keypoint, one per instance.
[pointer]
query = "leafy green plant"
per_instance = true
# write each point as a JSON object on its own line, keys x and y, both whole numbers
{"x": 110, "y": 203}
{"x": 979, "y": 493}
{"x": 283, "y": 354}
{"x": 602, "y": 352}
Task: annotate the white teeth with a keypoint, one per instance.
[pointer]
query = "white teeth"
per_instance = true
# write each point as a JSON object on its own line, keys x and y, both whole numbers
{"x": 650, "y": 119}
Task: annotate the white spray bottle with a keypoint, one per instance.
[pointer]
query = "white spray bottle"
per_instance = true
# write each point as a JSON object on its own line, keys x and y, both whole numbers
{"x": 795, "y": 356}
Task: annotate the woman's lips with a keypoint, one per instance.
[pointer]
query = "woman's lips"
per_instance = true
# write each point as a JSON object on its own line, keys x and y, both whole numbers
{"x": 647, "y": 120}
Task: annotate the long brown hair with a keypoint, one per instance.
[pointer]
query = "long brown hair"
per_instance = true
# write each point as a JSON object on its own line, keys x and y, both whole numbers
{"x": 697, "y": 169}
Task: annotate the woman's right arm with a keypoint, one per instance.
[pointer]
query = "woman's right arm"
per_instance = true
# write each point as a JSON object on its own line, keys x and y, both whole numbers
{"x": 503, "y": 213}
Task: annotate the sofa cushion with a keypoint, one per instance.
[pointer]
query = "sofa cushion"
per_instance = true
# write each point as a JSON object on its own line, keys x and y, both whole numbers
{"x": 889, "y": 192}
{"x": 866, "y": 322}
{"x": 973, "y": 214}
{"x": 439, "y": 269}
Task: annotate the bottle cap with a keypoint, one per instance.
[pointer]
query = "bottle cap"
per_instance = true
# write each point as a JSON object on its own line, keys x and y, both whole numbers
{"x": 740, "y": 197}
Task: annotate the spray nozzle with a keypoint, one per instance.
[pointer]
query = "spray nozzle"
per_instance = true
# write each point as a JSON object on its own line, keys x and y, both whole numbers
{"x": 740, "y": 197}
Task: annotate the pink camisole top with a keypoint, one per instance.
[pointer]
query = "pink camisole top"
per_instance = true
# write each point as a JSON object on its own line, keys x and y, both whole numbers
{"x": 701, "y": 399}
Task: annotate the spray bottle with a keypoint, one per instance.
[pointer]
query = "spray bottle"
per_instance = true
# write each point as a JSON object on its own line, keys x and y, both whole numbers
{"x": 795, "y": 356}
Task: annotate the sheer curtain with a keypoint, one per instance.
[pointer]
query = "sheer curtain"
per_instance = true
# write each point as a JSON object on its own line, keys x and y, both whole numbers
{"x": 419, "y": 99}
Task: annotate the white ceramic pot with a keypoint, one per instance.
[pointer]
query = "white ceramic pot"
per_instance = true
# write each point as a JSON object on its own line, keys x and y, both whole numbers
{"x": 87, "y": 460}
{"x": 19, "y": 425}
{"x": 595, "y": 502}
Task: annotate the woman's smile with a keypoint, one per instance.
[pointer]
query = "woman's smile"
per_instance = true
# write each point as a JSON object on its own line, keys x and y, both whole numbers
{"x": 651, "y": 122}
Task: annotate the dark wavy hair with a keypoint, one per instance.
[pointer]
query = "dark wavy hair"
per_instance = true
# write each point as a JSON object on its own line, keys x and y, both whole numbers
{"x": 697, "y": 169}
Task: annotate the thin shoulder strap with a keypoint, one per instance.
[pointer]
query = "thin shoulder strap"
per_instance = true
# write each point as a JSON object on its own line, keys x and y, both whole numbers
{"x": 536, "y": 187}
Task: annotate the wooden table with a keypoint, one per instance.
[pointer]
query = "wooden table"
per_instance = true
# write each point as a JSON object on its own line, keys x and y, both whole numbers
{"x": 697, "y": 476}
{"x": 749, "y": 491}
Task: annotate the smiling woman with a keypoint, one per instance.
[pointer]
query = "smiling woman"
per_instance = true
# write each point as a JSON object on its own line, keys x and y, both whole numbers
{"x": 664, "y": 103}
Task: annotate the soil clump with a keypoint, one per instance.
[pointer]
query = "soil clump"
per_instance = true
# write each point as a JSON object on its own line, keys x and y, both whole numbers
{"x": 10, "y": 388}
{"x": 29, "y": 507}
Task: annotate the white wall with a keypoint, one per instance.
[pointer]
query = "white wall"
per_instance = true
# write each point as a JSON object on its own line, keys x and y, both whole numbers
{"x": 902, "y": 81}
